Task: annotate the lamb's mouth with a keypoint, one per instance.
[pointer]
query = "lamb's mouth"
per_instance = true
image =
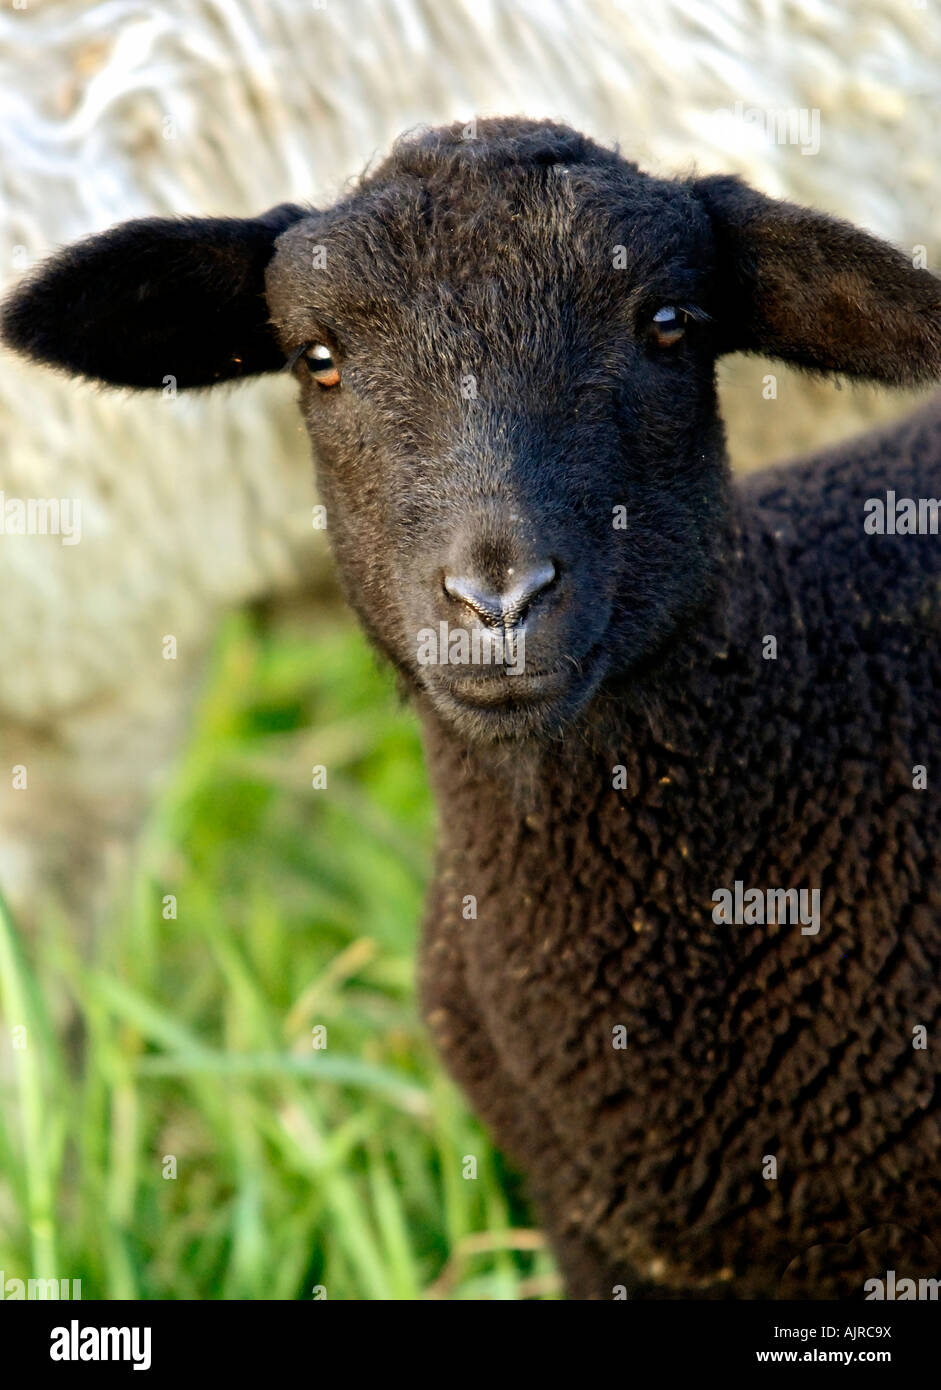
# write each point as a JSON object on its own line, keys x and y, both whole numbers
{"x": 499, "y": 704}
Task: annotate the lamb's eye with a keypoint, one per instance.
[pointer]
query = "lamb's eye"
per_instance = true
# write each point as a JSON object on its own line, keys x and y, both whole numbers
{"x": 668, "y": 326}
{"x": 321, "y": 365}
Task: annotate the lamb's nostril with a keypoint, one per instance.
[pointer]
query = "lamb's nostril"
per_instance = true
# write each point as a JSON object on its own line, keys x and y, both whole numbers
{"x": 506, "y": 608}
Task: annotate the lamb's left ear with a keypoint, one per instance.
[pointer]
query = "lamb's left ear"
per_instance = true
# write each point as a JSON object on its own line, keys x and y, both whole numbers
{"x": 160, "y": 297}
{"x": 818, "y": 292}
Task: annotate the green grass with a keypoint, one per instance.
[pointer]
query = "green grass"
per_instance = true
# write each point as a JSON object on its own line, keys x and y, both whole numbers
{"x": 190, "y": 1037}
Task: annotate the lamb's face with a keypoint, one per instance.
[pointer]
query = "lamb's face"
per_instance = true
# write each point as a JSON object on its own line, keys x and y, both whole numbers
{"x": 509, "y": 389}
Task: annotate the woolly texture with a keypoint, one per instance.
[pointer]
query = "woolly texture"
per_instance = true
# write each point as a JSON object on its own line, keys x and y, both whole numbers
{"x": 594, "y": 913}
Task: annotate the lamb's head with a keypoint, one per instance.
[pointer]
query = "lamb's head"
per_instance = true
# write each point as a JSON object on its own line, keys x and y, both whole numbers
{"x": 505, "y": 339}
{"x": 506, "y": 371}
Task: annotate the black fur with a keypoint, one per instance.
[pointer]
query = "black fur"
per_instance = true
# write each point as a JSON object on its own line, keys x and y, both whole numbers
{"x": 532, "y": 261}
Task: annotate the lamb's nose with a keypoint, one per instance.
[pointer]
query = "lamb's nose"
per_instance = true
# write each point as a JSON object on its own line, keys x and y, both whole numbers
{"x": 507, "y": 608}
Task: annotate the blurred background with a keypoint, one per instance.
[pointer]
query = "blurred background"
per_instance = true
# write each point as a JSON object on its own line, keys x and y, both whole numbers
{"x": 183, "y": 910}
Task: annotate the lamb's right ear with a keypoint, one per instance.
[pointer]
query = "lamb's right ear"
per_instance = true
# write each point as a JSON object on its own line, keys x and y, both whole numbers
{"x": 818, "y": 292}
{"x": 160, "y": 297}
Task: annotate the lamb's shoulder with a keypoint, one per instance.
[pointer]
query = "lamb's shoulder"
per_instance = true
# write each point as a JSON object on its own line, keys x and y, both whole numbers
{"x": 833, "y": 506}
{"x": 846, "y": 546}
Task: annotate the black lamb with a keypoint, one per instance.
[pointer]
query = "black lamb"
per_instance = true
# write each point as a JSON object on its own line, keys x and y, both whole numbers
{"x": 683, "y": 945}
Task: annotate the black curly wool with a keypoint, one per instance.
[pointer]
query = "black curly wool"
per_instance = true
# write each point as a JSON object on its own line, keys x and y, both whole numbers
{"x": 594, "y": 911}
{"x": 505, "y": 339}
